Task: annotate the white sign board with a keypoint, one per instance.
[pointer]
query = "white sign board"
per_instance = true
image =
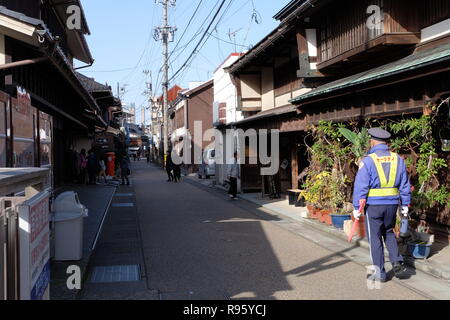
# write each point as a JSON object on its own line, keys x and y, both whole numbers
{"x": 34, "y": 240}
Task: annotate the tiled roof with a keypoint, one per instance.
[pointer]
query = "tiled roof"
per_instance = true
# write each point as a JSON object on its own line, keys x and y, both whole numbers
{"x": 91, "y": 85}
{"x": 172, "y": 93}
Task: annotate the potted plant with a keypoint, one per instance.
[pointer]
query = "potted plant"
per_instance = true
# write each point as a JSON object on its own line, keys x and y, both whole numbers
{"x": 339, "y": 218}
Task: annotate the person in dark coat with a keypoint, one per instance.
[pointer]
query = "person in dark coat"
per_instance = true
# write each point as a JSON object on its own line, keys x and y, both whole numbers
{"x": 92, "y": 167}
{"x": 169, "y": 167}
{"x": 125, "y": 169}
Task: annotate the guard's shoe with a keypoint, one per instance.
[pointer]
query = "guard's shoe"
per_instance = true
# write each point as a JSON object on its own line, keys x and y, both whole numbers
{"x": 373, "y": 278}
{"x": 400, "y": 270}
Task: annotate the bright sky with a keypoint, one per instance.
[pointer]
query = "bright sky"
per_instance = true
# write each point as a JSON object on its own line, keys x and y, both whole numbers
{"x": 122, "y": 41}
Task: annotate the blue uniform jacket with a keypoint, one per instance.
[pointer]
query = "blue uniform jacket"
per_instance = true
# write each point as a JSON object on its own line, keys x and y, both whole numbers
{"x": 367, "y": 178}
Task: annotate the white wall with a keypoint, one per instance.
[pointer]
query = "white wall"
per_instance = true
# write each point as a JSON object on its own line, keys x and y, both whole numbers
{"x": 226, "y": 92}
{"x": 2, "y": 49}
{"x": 436, "y": 30}
{"x": 267, "y": 90}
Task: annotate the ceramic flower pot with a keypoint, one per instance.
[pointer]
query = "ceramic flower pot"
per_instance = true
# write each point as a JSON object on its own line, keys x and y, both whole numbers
{"x": 338, "y": 220}
{"x": 312, "y": 212}
{"x": 325, "y": 217}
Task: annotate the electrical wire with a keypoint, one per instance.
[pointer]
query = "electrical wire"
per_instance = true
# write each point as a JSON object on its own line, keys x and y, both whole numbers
{"x": 198, "y": 32}
{"x": 187, "y": 26}
{"x": 205, "y": 34}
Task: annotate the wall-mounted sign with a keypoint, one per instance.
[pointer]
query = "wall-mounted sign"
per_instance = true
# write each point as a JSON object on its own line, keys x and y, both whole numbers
{"x": 23, "y": 104}
{"x": 34, "y": 239}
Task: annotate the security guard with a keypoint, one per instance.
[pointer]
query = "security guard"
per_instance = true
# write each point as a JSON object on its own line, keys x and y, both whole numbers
{"x": 383, "y": 182}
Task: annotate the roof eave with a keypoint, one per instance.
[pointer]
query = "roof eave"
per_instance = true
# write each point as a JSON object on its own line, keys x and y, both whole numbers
{"x": 285, "y": 26}
{"x": 308, "y": 98}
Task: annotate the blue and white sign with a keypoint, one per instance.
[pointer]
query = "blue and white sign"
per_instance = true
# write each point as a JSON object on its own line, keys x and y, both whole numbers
{"x": 34, "y": 239}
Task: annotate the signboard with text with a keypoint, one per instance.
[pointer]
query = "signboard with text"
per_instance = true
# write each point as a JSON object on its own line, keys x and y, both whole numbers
{"x": 34, "y": 238}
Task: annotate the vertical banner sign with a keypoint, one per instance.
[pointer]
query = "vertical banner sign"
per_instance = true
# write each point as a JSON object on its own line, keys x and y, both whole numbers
{"x": 34, "y": 235}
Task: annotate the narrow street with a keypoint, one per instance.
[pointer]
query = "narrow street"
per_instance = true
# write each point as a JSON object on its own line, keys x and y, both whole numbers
{"x": 198, "y": 244}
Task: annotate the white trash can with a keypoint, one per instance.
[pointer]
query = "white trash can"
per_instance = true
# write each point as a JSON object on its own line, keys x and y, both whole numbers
{"x": 68, "y": 227}
{"x": 68, "y": 236}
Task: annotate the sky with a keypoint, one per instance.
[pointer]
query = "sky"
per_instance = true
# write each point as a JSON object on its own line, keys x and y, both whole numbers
{"x": 123, "y": 46}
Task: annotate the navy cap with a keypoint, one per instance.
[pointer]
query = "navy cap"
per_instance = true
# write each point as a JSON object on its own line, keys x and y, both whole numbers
{"x": 379, "y": 134}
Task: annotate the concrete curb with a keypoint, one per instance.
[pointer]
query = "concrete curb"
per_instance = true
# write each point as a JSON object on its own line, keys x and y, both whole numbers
{"x": 85, "y": 270}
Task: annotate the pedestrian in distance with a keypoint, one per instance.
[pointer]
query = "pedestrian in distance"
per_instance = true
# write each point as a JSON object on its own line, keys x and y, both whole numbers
{"x": 176, "y": 168}
{"x": 83, "y": 166}
{"x": 169, "y": 167}
{"x": 125, "y": 169}
{"x": 92, "y": 167}
{"x": 382, "y": 182}
{"x": 233, "y": 174}
{"x": 102, "y": 172}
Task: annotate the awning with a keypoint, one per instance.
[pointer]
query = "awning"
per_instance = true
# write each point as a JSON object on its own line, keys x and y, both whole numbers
{"x": 34, "y": 31}
{"x": 415, "y": 61}
{"x": 267, "y": 114}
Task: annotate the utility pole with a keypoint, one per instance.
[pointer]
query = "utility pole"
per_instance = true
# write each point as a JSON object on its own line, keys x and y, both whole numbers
{"x": 149, "y": 93}
{"x": 166, "y": 34}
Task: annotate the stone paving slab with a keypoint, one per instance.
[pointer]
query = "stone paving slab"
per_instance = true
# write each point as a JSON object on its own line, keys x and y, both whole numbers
{"x": 119, "y": 245}
{"x": 97, "y": 199}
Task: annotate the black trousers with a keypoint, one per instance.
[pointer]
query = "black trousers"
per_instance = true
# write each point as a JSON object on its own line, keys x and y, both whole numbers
{"x": 233, "y": 187}
{"x": 124, "y": 175}
{"x": 169, "y": 173}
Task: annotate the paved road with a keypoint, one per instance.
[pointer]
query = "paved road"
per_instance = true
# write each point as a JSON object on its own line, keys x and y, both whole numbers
{"x": 198, "y": 244}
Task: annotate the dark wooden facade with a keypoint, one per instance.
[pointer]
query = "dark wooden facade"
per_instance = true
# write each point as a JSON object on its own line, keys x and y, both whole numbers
{"x": 60, "y": 112}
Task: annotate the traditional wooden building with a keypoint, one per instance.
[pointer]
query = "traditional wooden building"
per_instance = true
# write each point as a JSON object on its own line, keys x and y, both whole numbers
{"x": 195, "y": 104}
{"x": 339, "y": 61}
{"x": 158, "y": 123}
{"x": 110, "y": 139}
{"x": 390, "y": 72}
{"x": 44, "y": 108}
{"x": 298, "y": 73}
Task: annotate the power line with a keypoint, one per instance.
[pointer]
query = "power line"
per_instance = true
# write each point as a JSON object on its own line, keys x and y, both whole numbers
{"x": 187, "y": 26}
{"x": 208, "y": 35}
{"x": 199, "y": 43}
{"x": 198, "y": 32}
{"x": 229, "y": 42}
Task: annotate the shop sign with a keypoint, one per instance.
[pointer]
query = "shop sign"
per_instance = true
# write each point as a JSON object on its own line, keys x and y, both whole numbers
{"x": 34, "y": 239}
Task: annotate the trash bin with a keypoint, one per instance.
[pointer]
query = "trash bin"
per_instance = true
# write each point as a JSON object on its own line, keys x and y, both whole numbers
{"x": 68, "y": 236}
{"x": 68, "y": 214}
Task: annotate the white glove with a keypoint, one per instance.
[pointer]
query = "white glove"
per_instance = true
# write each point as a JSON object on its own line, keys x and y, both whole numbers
{"x": 356, "y": 214}
{"x": 405, "y": 211}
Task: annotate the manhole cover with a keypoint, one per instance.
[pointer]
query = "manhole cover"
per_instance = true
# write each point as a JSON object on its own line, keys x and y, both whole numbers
{"x": 107, "y": 274}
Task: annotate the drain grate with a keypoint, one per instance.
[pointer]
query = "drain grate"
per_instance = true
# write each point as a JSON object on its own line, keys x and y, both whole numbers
{"x": 123, "y": 195}
{"x": 108, "y": 274}
{"x": 123, "y": 205}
